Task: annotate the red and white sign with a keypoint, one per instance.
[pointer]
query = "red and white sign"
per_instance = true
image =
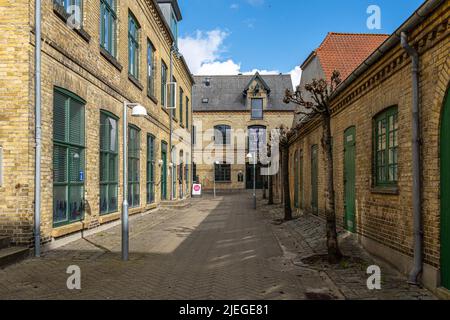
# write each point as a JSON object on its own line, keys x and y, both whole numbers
{"x": 197, "y": 190}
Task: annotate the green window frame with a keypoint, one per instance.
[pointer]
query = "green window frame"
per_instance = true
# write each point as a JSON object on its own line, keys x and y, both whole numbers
{"x": 386, "y": 148}
{"x": 133, "y": 46}
{"x": 181, "y": 105}
{"x": 134, "y": 151}
{"x": 68, "y": 157}
{"x": 109, "y": 163}
{"x": 163, "y": 83}
{"x": 151, "y": 68}
{"x": 108, "y": 26}
{"x": 187, "y": 113}
{"x": 173, "y": 103}
{"x": 150, "y": 169}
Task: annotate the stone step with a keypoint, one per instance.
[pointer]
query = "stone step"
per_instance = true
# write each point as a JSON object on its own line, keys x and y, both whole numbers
{"x": 13, "y": 255}
{"x": 4, "y": 242}
{"x": 180, "y": 204}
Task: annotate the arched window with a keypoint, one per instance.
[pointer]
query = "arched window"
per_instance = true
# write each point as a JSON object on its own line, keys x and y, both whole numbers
{"x": 222, "y": 134}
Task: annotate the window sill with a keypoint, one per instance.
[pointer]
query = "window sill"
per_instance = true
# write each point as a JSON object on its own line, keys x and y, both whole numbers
{"x": 153, "y": 98}
{"x": 224, "y": 182}
{"x": 62, "y": 14}
{"x": 385, "y": 190}
{"x": 111, "y": 59}
{"x": 135, "y": 82}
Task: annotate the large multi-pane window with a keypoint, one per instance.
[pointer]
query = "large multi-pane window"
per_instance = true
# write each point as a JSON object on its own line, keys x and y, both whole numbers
{"x": 187, "y": 112}
{"x": 133, "y": 46}
{"x": 386, "y": 147}
{"x": 222, "y": 172}
{"x": 181, "y": 106}
{"x": 133, "y": 166}
{"x": 108, "y": 25}
{"x": 150, "y": 169}
{"x": 256, "y": 138}
{"x": 257, "y": 108}
{"x": 68, "y": 157}
{"x": 109, "y": 170}
{"x": 74, "y": 9}
{"x": 222, "y": 135}
{"x": 172, "y": 93}
{"x": 163, "y": 84}
{"x": 150, "y": 69}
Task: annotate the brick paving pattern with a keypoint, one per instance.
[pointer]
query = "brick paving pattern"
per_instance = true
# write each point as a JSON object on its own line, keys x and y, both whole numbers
{"x": 215, "y": 249}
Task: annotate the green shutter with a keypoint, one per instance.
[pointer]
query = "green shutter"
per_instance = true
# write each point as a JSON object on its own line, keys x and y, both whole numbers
{"x": 59, "y": 116}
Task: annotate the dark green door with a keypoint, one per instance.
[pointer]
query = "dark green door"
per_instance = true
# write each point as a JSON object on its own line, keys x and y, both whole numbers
{"x": 249, "y": 177}
{"x": 164, "y": 171}
{"x": 302, "y": 192}
{"x": 315, "y": 179}
{"x": 445, "y": 194}
{"x": 296, "y": 180}
{"x": 349, "y": 179}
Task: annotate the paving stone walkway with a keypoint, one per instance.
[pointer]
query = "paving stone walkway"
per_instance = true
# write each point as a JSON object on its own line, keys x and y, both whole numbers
{"x": 216, "y": 249}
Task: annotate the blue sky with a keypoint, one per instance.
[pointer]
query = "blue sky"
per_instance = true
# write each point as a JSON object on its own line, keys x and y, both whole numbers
{"x": 230, "y": 36}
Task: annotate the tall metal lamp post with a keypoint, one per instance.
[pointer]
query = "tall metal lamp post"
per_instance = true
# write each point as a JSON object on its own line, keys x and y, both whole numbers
{"x": 251, "y": 156}
{"x": 138, "y": 111}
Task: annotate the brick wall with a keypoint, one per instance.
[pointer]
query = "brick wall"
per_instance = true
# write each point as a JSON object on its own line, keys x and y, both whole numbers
{"x": 380, "y": 216}
{"x": 72, "y": 60}
{"x": 16, "y": 192}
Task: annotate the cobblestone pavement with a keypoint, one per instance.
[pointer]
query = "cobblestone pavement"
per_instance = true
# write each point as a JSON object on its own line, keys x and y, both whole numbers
{"x": 216, "y": 249}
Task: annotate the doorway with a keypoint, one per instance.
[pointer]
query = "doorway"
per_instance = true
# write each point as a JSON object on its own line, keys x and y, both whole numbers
{"x": 315, "y": 179}
{"x": 164, "y": 171}
{"x": 349, "y": 179}
{"x": 445, "y": 193}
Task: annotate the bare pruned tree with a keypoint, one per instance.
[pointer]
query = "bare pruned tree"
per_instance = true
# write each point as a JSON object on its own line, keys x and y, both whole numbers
{"x": 319, "y": 105}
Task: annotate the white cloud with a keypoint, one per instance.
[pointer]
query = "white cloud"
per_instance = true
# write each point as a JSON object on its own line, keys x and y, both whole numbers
{"x": 219, "y": 68}
{"x": 203, "y": 52}
{"x": 203, "y": 48}
{"x": 234, "y": 6}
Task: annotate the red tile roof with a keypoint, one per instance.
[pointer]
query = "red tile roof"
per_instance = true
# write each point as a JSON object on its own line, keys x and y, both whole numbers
{"x": 346, "y": 51}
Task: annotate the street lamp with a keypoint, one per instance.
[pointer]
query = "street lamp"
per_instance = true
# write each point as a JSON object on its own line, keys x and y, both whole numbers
{"x": 137, "y": 111}
{"x": 251, "y": 156}
{"x": 215, "y": 164}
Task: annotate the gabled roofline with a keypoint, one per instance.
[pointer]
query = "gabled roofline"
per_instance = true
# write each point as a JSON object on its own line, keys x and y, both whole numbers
{"x": 413, "y": 21}
{"x": 257, "y": 76}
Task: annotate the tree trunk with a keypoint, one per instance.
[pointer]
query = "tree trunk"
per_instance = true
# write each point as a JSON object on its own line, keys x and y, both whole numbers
{"x": 270, "y": 202}
{"x": 286, "y": 191}
{"x": 334, "y": 254}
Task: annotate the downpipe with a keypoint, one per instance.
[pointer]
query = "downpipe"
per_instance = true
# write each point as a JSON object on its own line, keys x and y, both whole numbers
{"x": 416, "y": 186}
{"x": 38, "y": 133}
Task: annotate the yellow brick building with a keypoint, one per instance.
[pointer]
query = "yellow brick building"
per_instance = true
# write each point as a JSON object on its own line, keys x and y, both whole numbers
{"x": 372, "y": 148}
{"x": 93, "y": 60}
{"x": 227, "y": 111}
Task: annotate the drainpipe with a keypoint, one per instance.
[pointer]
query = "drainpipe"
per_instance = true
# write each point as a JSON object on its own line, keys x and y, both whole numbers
{"x": 416, "y": 196}
{"x": 37, "y": 177}
{"x": 172, "y": 182}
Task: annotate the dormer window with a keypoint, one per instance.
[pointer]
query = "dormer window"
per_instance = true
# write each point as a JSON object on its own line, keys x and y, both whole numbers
{"x": 174, "y": 27}
{"x": 257, "y": 109}
{"x": 205, "y": 100}
{"x": 172, "y": 14}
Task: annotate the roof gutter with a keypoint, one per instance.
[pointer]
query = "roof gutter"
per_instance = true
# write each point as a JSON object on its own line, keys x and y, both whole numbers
{"x": 416, "y": 18}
